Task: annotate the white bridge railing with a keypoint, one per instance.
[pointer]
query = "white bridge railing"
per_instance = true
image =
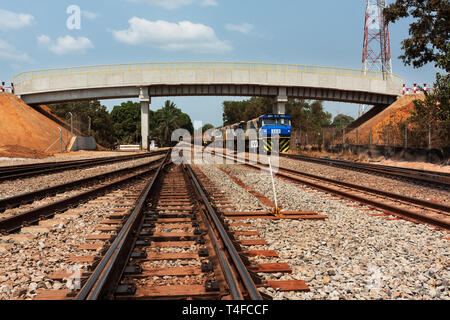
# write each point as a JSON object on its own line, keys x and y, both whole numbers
{"x": 206, "y": 66}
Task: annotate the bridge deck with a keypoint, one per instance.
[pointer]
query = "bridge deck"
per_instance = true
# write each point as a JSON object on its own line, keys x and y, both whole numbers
{"x": 212, "y": 78}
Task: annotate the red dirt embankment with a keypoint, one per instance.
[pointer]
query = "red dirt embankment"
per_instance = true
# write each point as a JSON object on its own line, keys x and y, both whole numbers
{"x": 397, "y": 112}
{"x": 26, "y": 133}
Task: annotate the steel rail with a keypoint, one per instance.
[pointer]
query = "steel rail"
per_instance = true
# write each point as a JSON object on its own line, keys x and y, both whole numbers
{"x": 10, "y": 169}
{"x": 226, "y": 268}
{"x": 14, "y": 223}
{"x": 17, "y": 172}
{"x": 240, "y": 266}
{"x": 25, "y": 198}
{"x": 412, "y": 174}
{"x": 378, "y": 204}
{"x": 420, "y": 202}
{"x": 99, "y": 283}
{"x": 408, "y": 213}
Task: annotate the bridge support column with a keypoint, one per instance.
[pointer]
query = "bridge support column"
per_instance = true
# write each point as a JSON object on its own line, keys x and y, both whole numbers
{"x": 280, "y": 102}
{"x": 145, "y": 100}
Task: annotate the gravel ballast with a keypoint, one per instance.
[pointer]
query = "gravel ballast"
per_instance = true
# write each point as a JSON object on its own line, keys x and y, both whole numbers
{"x": 351, "y": 254}
{"x": 369, "y": 180}
{"x": 25, "y": 265}
{"x": 20, "y": 186}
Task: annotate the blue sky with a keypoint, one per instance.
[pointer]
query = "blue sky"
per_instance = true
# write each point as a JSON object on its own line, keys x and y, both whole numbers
{"x": 34, "y": 35}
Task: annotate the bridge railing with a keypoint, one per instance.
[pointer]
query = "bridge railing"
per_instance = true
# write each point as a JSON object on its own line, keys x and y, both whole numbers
{"x": 206, "y": 66}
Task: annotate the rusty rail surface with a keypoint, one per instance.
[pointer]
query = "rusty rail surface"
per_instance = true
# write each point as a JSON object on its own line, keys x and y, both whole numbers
{"x": 431, "y": 178}
{"x": 105, "y": 281}
{"x": 437, "y": 214}
{"x": 31, "y": 170}
{"x": 16, "y": 222}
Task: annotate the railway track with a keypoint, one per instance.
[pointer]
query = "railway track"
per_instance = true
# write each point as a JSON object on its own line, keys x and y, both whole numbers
{"x": 430, "y": 178}
{"x": 172, "y": 199}
{"x": 169, "y": 242}
{"x": 127, "y": 269}
{"x": 401, "y": 206}
{"x": 85, "y": 189}
{"x": 31, "y": 170}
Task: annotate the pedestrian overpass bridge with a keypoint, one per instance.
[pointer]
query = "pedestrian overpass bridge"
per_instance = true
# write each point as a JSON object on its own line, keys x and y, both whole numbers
{"x": 146, "y": 80}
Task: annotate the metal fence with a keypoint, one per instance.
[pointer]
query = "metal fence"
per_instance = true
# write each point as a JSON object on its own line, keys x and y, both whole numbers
{"x": 404, "y": 135}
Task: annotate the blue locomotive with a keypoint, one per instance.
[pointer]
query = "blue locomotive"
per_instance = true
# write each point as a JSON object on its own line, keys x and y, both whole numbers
{"x": 267, "y": 127}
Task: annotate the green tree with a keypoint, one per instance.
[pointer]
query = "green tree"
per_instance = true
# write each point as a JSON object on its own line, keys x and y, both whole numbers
{"x": 101, "y": 122}
{"x": 237, "y": 111}
{"x": 428, "y": 42}
{"x": 206, "y": 127}
{"x": 429, "y": 33}
{"x": 434, "y": 113}
{"x": 126, "y": 120}
{"x": 168, "y": 119}
{"x": 305, "y": 116}
{"x": 342, "y": 120}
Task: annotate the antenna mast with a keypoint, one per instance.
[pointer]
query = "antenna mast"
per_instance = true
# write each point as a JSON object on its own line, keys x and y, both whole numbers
{"x": 376, "y": 46}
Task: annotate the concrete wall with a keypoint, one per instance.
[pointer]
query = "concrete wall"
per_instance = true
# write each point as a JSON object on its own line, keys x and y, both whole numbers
{"x": 124, "y": 83}
{"x": 83, "y": 143}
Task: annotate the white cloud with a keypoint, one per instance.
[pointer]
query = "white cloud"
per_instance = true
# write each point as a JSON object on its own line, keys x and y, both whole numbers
{"x": 175, "y": 4}
{"x": 12, "y": 20}
{"x": 43, "y": 39}
{"x": 168, "y": 4}
{"x": 66, "y": 45}
{"x": 89, "y": 15}
{"x": 9, "y": 52}
{"x": 184, "y": 35}
{"x": 244, "y": 28}
{"x": 209, "y": 3}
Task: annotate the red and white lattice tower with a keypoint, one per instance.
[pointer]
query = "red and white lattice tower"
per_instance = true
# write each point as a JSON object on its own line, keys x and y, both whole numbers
{"x": 376, "y": 47}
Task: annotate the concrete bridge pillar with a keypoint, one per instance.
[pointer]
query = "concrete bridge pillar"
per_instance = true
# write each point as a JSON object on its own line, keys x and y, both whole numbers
{"x": 145, "y": 100}
{"x": 280, "y": 101}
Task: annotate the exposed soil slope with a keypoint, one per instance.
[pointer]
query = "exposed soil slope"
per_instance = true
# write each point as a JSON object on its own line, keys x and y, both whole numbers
{"x": 26, "y": 133}
{"x": 397, "y": 112}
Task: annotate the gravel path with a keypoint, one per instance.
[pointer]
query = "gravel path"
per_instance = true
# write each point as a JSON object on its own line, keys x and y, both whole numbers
{"x": 350, "y": 255}
{"x": 16, "y": 187}
{"x": 369, "y": 180}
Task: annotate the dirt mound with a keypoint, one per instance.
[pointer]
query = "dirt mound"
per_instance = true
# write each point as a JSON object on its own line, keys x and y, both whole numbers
{"x": 48, "y": 112}
{"x": 397, "y": 112}
{"x": 21, "y": 152}
{"x": 26, "y": 133}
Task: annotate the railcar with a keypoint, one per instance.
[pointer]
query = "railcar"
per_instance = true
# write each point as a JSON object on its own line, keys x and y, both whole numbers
{"x": 266, "y": 127}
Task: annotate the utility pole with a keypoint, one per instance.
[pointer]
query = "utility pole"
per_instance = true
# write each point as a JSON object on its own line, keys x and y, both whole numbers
{"x": 60, "y": 140}
{"x": 429, "y": 136}
{"x": 71, "y": 123}
{"x": 334, "y": 133}
{"x": 89, "y": 126}
{"x": 343, "y": 137}
{"x": 406, "y": 135}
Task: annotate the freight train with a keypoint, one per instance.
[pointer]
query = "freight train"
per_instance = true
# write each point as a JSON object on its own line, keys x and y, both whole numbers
{"x": 265, "y": 127}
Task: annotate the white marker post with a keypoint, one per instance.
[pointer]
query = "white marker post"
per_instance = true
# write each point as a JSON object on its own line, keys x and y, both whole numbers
{"x": 277, "y": 210}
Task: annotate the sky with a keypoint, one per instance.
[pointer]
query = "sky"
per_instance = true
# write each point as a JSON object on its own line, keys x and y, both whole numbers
{"x": 43, "y": 34}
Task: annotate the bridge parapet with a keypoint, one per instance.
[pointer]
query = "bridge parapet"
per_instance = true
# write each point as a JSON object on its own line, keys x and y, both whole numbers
{"x": 139, "y": 74}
